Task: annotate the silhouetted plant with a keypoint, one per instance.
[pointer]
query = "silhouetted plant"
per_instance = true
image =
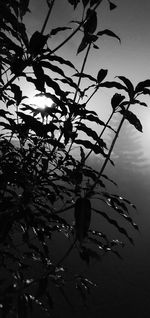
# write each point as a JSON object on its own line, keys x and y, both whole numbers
{"x": 40, "y": 178}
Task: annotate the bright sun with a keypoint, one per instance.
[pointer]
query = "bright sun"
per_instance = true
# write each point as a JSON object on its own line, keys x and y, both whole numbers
{"x": 40, "y": 101}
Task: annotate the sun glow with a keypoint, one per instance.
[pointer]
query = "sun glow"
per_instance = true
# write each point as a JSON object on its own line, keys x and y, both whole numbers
{"x": 40, "y": 101}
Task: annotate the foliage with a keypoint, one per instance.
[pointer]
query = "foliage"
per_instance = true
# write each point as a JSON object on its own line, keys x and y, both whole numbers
{"x": 41, "y": 181}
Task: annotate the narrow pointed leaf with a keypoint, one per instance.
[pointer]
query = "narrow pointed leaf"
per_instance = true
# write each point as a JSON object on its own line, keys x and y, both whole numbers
{"x": 112, "y": 6}
{"x": 142, "y": 85}
{"x": 128, "y": 84}
{"x": 56, "y": 30}
{"x": 109, "y": 33}
{"x": 132, "y": 118}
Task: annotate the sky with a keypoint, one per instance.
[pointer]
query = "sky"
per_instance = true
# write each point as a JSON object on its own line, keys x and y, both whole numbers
{"x": 130, "y": 21}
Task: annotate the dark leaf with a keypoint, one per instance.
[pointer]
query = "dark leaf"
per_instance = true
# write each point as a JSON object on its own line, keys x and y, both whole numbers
{"x": 53, "y": 68}
{"x": 133, "y": 120}
{"x": 60, "y": 60}
{"x": 128, "y": 84}
{"x": 17, "y": 93}
{"x": 113, "y": 85}
{"x": 87, "y": 144}
{"x": 95, "y": 46}
{"x": 32, "y": 123}
{"x": 83, "y": 44}
{"x": 95, "y": 119}
{"x": 136, "y": 101}
{"x": 142, "y": 86}
{"x": 116, "y": 100}
{"x": 3, "y": 113}
{"x": 23, "y": 6}
{"x": 39, "y": 73}
{"x": 82, "y": 215}
{"x": 56, "y": 30}
{"x": 109, "y": 33}
{"x": 144, "y": 91}
{"x": 112, "y": 6}
{"x": 91, "y": 133}
{"x": 37, "y": 42}
{"x": 101, "y": 75}
{"x": 90, "y": 24}
{"x": 53, "y": 84}
{"x": 114, "y": 223}
{"x": 83, "y": 75}
{"x": 107, "y": 178}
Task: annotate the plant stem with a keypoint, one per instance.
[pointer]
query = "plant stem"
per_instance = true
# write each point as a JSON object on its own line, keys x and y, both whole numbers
{"x": 109, "y": 153}
{"x": 100, "y": 135}
{"x": 47, "y": 17}
{"x": 82, "y": 69}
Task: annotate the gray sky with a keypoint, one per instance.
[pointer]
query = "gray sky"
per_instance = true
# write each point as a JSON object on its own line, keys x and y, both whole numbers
{"x": 130, "y": 21}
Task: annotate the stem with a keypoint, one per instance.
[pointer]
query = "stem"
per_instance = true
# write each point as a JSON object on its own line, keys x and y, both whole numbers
{"x": 109, "y": 153}
{"x": 47, "y": 17}
{"x": 100, "y": 135}
{"x": 82, "y": 69}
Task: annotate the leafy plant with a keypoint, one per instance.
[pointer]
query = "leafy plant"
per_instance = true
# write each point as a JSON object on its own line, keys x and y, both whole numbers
{"x": 40, "y": 178}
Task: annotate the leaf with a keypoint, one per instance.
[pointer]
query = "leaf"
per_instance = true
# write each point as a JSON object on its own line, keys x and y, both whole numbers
{"x": 51, "y": 83}
{"x": 90, "y": 24}
{"x": 39, "y": 73}
{"x": 3, "y": 113}
{"x": 112, "y": 6}
{"x": 17, "y": 93}
{"x": 109, "y": 33}
{"x": 53, "y": 68}
{"x": 83, "y": 75}
{"x": 95, "y": 119}
{"x": 82, "y": 45}
{"x": 82, "y": 215}
{"x": 32, "y": 123}
{"x": 128, "y": 84}
{"x": 114, "y": 223}
{"x": 87, "y": 144}
{"x": 142, "y": 85}
{"x": 136, "y": 101}
{"x": 116, "y": 100}
{"x": 60, "y": 60}
{"x": 101, "y": 75}
{"x": 37, "y": 42}
{"x": 91, "y": 133}
{"x": 113, "y": 85}
{"x": 23, "y": 6}
{"x": 145, "y": 91}
{"x": 133, "y": 120}
{"x": 56, "y": 30}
